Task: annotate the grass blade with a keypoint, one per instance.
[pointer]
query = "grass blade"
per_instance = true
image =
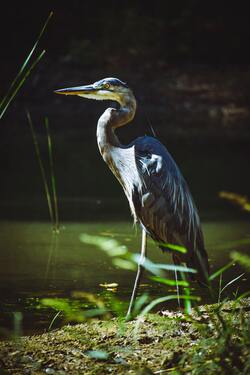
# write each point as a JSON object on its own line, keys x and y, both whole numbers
{"x": 171, "y": 246}
{"x": 53, "y": 320}
{"x": 52, "y": 176}
{"x": 5, "y": 103}
{"x": 139, "y": 303}
{"x": 187, "y": 301}
{"x": 169, "y": 282}
{"x": 220, "y": 288}
{"x": 221, "y": 270}
{"x": 156, "y": 301}
{"x": 232, "y": 281}
{"x": 109, "y": 245}
{"x": 12, "y": 91}
{"x": 187, "y": 293}
{"x": 41, "y": 166}
{"x": 156, "y": 268}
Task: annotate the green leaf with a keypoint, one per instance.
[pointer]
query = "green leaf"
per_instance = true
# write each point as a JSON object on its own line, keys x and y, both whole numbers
{"x": 147, "y": 264}
{"x": 169, "y": 282}
{"x": 124, "y": 264}
{"x": 156, "y": 268}
{"x": 170, "y": 246}
{"x": 243, "y": 295}
{"x": 109, "y": 245}
{"x": 221, "y": 270}
{"x": 242, "y": 259}
{"x": 156, "y": 301}
{"x": 140, "y": 301}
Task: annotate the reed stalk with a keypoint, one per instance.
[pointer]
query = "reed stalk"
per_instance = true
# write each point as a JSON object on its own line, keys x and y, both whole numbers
{"x": 52, "y": 176}
{"x": 42, "y": 169}
{"x": 23, "y": 73}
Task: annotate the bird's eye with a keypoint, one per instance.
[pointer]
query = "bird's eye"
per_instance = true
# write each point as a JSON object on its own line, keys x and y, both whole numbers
{"x": 106, "y": 86}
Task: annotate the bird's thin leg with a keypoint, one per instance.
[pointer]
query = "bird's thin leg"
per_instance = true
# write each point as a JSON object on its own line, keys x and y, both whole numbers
{"x": 139, "y": 271}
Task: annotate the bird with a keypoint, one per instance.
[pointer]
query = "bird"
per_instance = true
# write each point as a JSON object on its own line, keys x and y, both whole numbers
{"x": 158, "y": 195}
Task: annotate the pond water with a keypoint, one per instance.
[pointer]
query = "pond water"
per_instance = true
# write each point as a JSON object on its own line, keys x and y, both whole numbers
{"x": 36, "y": 263}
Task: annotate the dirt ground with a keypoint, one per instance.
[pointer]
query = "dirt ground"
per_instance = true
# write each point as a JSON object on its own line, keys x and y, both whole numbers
{"x": 213, "y": 340}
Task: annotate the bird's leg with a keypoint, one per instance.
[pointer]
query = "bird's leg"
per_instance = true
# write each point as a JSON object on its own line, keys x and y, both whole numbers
{"x": 139, "y": 272}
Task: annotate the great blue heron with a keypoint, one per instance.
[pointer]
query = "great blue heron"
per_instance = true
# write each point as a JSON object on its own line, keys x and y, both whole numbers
{"x": 158, "y": 195}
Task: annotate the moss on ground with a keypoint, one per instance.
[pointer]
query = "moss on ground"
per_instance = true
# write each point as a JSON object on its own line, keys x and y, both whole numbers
{"x": 214, "y": 340}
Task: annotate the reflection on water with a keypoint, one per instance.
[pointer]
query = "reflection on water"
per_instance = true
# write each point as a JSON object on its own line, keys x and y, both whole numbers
{"x": 34, "y": 262}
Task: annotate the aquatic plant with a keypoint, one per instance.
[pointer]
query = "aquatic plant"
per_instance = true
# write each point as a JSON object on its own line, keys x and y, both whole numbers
{"x": 74, "y": 308}
{"x": 52, "y": 176}
{"x": 50, "y": 190}
{"x": 87, "y": 307}
{"x": 122, "y": 258}
{"x": 24, "y": 72}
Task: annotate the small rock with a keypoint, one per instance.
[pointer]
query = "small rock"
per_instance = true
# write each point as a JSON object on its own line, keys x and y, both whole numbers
{"x": 49, "y": 371}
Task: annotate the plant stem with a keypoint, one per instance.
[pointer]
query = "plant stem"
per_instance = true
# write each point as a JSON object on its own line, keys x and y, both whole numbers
{"x": 22, "y": 75}
{"x": 52, "y": 176}
{"x": 41, "y": 166}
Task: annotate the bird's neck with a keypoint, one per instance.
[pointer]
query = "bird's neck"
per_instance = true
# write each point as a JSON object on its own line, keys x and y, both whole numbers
{"x": 110, "y": 120}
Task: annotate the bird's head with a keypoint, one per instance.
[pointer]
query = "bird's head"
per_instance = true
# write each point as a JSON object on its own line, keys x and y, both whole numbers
{"x": 105, "y": 89}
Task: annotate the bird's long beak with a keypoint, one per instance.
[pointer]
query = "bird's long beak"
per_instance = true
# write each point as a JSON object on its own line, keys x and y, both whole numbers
{"x": 79, "y": 90}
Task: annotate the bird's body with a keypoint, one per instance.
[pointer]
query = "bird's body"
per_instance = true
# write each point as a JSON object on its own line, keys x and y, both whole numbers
{"x": 158, "y": 195}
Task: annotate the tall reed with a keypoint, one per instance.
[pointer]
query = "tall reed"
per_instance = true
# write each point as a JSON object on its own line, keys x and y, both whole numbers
{"x": 41, "y": 166}
{"x": 52, "y": 207}
{"x": 52, "y": 176}
{"x": 23, "y": 73}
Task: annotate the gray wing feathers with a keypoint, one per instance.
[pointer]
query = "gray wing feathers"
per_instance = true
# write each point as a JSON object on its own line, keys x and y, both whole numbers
{"x": 163, "y": 202}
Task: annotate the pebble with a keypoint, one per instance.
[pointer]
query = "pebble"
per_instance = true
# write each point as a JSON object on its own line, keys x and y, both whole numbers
{"x": 49, "y": 371}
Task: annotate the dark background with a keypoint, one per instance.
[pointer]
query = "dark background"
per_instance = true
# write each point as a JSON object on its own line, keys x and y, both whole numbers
{"x": 189, "y": 66}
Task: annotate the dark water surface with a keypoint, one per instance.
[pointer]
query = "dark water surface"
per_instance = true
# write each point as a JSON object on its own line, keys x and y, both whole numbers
{"x": 36, "y": 263}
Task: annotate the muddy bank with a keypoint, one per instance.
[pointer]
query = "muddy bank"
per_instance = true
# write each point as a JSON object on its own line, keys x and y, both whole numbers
{"x": 214, "y": 340}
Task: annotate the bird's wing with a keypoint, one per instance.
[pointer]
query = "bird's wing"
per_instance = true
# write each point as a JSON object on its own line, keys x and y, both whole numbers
{"x": 163, "y": 202}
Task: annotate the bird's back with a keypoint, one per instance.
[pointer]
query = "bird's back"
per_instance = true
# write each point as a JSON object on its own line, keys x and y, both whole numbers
{"x": 164, "y": 205}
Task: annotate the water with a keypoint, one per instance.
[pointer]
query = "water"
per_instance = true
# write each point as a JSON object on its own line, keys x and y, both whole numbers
{"x": 36, "y": 263}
